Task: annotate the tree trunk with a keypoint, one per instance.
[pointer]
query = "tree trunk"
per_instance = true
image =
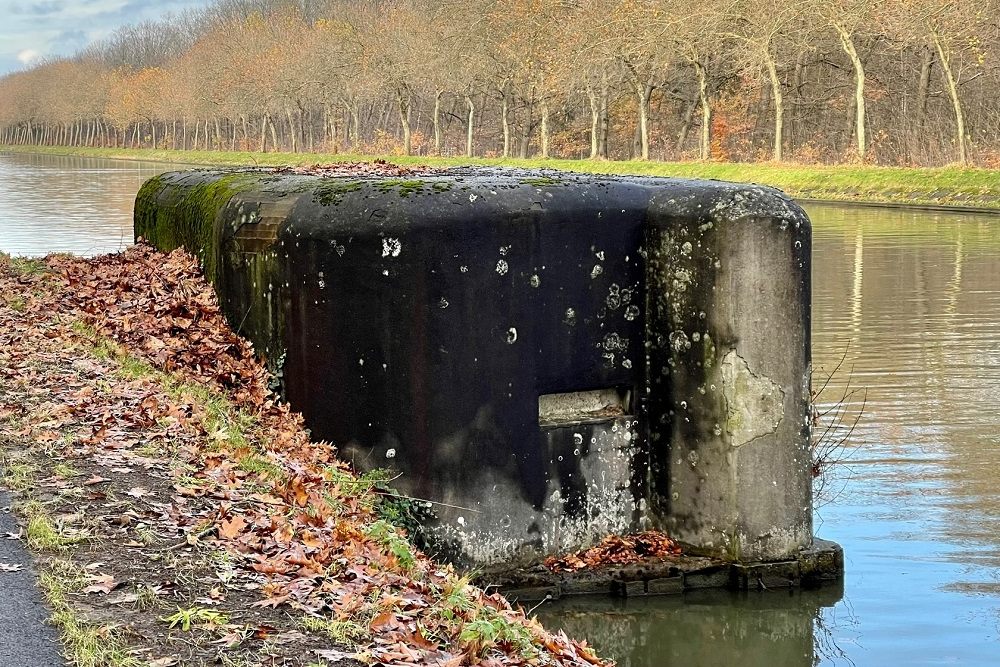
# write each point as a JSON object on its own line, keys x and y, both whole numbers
{"x": 274, "y": 132}
{"x": 847, "y": 42}
{"x": 643, "y": 91}
{"x": 545, "y": 129}
{"x": 779, "y": 108}
{"x": 595, "y": 119}
{"x": 291, "y": 129}
{"x": 956, "y": 102}
{"x": 437, "y": 121}
{"x": 505, "y": 122}
{"x": 924, "y": 84}
{"x": 604, "y": 132}
{"x": 356, "y": 119}
{"x": 469, "y": 126}
{"x": 706, "y": 111}
{"x": 686, "y": 121}
{"x": 403, "y": 100}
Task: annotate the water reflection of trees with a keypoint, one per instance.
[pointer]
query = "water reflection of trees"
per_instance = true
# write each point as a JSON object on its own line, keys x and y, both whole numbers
{"x": 922, "y": 312}
{"x": 708, "y": 628}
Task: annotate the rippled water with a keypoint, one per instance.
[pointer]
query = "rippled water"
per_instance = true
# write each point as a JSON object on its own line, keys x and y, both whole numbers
{"x": 68, "y": 204}
{"x": 907, "y": 304}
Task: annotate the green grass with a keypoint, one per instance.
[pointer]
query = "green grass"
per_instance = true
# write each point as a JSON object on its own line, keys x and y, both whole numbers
{"x": 945, "y": 186}
{"x": 86, "y": 644}
{"x": 342, "y": 633}
{"x": 185, "y": 619}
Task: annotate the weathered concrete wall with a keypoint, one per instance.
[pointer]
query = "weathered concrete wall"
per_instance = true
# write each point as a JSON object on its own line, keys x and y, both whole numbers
{"x": 547, "y": 358}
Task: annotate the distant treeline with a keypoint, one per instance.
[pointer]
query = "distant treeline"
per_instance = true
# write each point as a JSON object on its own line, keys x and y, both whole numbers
{"x": 883, "y": 81}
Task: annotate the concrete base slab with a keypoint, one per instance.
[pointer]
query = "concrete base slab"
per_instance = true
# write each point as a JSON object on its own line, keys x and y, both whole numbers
{"x": 818, "y": 565}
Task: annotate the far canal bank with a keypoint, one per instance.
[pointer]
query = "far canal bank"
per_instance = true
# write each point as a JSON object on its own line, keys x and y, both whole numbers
{"x": 953, "y": 188}
{"x": 909, "y": 301}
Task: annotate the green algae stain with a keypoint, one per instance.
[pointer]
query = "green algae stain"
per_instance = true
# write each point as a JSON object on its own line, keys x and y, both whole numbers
{"x": 540, "y": 181}
{"x": 173, "y": 211}
{"x": 331, "y": 191}
{"x": 405, "y": 187}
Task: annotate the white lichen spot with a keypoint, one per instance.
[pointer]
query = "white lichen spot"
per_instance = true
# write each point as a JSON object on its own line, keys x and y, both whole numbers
{"x": 570, "y": 318}
{"x": 463, "y": 268}
{"x": 627, "y": 363}
{"x": 390, "y": 454}
{"x": 600, "y": 255}
{"x": 473, "y": 197}
{"x": 535, "y": 280}
{"x": 361, "y": 362}
{"x": 596, "y": 271}
{"x": 614, "y": 342}
{"x": 631, "y": 313}
{"x": 461, "y": 520}
{"x": 504, "y": 250}
{"x": 502, "y": 267}
{"x": 511, "y": 336}
{"x": 679, "y": 341}
{"x": 577, "y": 439}
{"x": 443, "y": 303}
{"x": 686, "y": 248}
{"x": 391, "y": 247}
{"x": 385, "y": 272}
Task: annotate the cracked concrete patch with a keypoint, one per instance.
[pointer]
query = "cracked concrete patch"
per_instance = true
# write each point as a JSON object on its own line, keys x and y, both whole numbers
{"x": 755, "y": 405}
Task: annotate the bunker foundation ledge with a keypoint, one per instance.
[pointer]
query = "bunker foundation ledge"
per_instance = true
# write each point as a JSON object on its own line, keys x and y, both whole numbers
{"x": 822, "y": 564}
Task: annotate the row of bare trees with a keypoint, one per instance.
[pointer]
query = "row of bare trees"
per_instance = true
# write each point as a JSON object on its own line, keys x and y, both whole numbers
{"x": 888, "y": 81}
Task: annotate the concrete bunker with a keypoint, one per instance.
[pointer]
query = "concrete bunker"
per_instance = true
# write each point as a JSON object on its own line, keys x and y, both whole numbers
{"x": 548, "y": 358}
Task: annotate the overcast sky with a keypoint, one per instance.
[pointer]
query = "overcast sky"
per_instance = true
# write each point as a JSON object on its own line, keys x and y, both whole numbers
{"x": 32, "y": 29}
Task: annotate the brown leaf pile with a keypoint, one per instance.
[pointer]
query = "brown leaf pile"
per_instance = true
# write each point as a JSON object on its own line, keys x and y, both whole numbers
{"x": 299, "y": 526}
{"x": 617, "y": 550}
{"x": 371, "y": 168}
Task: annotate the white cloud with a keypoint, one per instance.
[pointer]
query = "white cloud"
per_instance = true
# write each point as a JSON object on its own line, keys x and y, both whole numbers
{"x": 28, "y": 56}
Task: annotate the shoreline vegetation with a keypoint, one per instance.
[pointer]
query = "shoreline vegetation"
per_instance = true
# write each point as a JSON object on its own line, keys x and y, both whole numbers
{"x": 945, "y": 187}
{"x": 179, "y": 514}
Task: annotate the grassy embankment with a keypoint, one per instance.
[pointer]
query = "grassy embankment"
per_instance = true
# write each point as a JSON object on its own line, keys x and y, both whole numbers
{"x": 943, "y": 186}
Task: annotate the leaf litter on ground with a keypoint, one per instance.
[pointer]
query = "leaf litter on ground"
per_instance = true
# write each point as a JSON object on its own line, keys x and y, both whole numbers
{"x": 162, "y": 454}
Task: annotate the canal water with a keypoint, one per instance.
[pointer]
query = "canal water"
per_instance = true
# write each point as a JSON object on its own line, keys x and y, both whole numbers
{"x": 906, "y": 320}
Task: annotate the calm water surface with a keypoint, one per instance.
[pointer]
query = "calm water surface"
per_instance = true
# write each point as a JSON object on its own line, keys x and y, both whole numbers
{"x": 68, "y": 204}
{"x": 907, "y": 304}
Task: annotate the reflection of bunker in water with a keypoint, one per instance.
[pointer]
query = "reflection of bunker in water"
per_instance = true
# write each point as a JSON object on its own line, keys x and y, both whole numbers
{"x": 549, "y": 359}
{"x": 705, "y": 628}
